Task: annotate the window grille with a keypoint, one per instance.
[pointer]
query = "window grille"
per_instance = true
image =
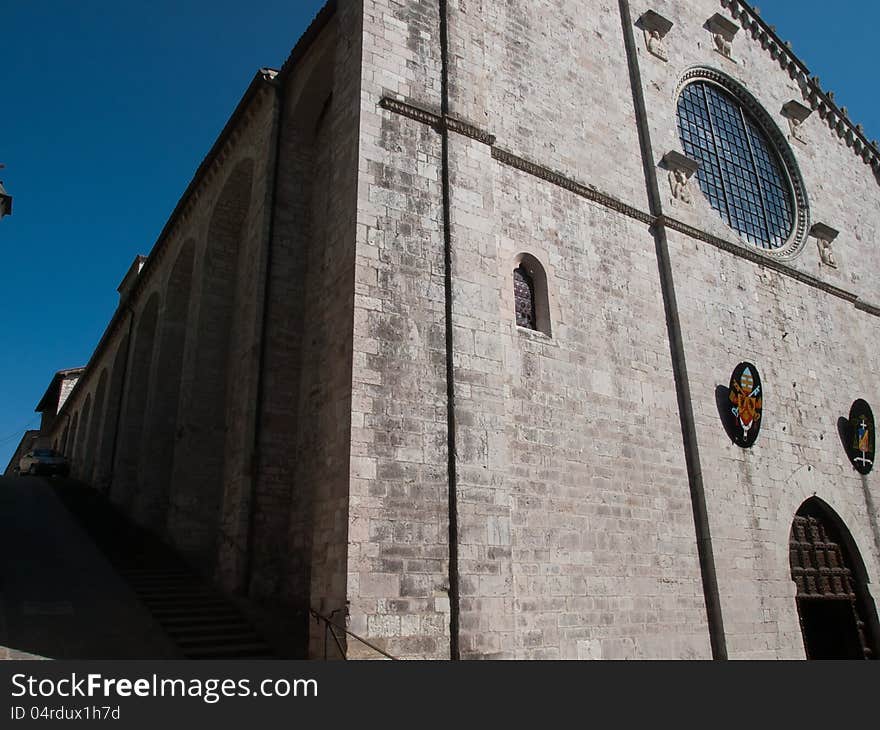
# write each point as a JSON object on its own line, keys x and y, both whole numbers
{"x": 524, "y": 297}
{"x": 740, "y": 173}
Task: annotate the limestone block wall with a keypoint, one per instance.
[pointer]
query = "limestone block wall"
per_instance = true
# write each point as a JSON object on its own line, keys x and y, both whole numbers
{"x": 576, "y": 530}
{"x": 277, "y": 393}
{"x": 398, "y": 572}
{"x": 839, "y": 184}
{"x": 550, "y": 80}
{"x": 561, "y": 481}
{"x": 814, "y": 349}
{"x": 567, "y": 446}
{"x": 814, "y": 363}
{"x": 300, "y": 529}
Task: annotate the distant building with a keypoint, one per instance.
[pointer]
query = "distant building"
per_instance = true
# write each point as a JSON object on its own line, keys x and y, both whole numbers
{"x": 28, "y": 443}
{"x": 47, "y": 436}
{"x": 5, "y": 201}
{"x": 526, "y": 329}
{"x": 50, "y": 406}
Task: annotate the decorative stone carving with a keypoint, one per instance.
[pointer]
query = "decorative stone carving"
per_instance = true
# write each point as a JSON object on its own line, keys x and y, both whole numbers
{"x": 825, "y": 235}
{"x": 655, "y": 27}
{"x": 681, "y": 170}
{"x": 723, "y": 31}
{"x": 678, "y": 180}
{"x": 797, "y": 114}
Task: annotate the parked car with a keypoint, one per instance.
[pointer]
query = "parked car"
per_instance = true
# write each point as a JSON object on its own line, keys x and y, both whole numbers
{"x": 44, "y": 461}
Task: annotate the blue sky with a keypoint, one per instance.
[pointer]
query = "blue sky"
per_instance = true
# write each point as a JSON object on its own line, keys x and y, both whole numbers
{"x": 110, "y": 106}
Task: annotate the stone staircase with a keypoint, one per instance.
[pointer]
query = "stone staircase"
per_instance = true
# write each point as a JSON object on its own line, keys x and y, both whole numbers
{"x": 199, "y": 619}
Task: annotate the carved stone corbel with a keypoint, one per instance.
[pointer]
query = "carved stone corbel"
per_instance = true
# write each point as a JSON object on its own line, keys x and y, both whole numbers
{"x": 825, "y": 235}
{"x": 655, "y": 28}
{"x": 723, "y": 31}
{"x": 797, "y": 114}
{"x": 681, "y": 169}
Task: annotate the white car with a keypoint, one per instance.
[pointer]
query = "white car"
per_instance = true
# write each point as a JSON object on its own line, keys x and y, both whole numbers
{"x": 44, "y": 461}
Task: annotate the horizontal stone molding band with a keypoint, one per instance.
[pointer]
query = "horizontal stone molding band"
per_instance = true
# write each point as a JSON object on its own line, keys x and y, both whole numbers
{"x": 555, "y": 178}
{"x": 438, "y": 122}
{"x": 758, "y": 258}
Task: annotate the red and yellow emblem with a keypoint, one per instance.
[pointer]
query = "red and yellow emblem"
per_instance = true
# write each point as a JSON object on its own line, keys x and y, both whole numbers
{"x": 748, "y": 401}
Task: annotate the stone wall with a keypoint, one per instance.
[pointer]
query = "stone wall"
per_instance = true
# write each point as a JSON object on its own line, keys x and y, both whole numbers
{"x": 574, "y": 525}
{"x": 130, "y": 419}
{"x": 398, "y": 573}
{"x": 814, "y": 350}
{"x": 332, "y": 304}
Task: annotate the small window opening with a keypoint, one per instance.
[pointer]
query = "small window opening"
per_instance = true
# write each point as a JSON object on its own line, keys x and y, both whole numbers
{"x": 524, "y": 297}
{"x": 531, "y": 299}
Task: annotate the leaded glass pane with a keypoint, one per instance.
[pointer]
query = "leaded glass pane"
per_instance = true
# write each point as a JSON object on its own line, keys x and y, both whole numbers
{"x": 524, "y": 297}
{"x": 740, "y": 173}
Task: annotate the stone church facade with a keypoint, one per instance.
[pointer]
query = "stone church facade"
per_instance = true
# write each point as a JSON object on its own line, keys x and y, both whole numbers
{"x": 436, "y": 344}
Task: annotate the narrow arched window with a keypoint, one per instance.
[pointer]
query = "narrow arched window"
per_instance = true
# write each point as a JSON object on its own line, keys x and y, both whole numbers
{"x": 531, "y": 297}
{"x": 524, "y": 298}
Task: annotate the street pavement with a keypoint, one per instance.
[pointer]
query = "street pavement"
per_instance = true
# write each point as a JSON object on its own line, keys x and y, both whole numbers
{"x": 59, "y": 597}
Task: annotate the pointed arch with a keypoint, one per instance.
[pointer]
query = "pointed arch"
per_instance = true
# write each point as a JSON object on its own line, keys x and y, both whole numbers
{"x": 837, "y": 614}
{"x": 64, "y": 436}
{"x": 107, "y": 442}
{"x": 198, "y": 475}
{"x": 71, "y": 443}
{"x": 159, "y": 433}
{"x": 81, "y": 450}
{"x": 128, "y": 454}
{"x": 95, "y": 428}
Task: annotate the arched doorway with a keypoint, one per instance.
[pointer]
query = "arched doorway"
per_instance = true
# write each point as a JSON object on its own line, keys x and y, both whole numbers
{"x": 837, "y": 615}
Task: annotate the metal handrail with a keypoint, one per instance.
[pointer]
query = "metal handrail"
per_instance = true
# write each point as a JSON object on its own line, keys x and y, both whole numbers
{"x": 331, "y": 627}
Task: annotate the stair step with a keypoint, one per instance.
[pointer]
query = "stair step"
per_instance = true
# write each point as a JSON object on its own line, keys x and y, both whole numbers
{"x": 167, "y": 600}
{"x": 246, "y": 638}
{"x": 194, "y": 611}
{"x": 176, "y": 596}
{"x": 197, "y": 627}
{"x": 214, "y": 652}
{"x": 197, "y": 617}
{"x": 162, "y": 599}
{"x": 176, "y": 622}
{"x": 154, "y": 570}
{"x": 212, "y": 632}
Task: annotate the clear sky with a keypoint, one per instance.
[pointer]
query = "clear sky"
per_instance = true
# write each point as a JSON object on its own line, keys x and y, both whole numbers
{"x": 110, "y": 105}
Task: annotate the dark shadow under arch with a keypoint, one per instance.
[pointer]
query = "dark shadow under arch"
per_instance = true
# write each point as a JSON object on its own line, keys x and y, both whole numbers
{"x": 197, "y": 484}
{"x": 71, "y": 443}
{"x": 128, "y": 455}
{"x": 159, "y": 433}
{"x": 80, "y": 447}
{"x": 95, "y": 428}
{"x": 107, "y": 441}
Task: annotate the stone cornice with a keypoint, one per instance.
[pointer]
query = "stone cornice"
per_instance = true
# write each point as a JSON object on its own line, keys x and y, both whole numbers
{"x": 320, "y": 21}
{"x": 260, "y": 89}
{"x": 835, "y": 117}
{"x": 437, "y": 121}
{"x": 562, "y": 181}
{"x": 755, "y": 256}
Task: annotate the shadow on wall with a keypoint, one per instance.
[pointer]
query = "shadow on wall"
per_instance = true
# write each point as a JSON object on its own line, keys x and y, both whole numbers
{"x": 722, "y": 401}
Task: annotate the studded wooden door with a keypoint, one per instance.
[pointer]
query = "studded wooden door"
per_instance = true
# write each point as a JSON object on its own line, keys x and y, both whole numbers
{"x": 827, "y": 593}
